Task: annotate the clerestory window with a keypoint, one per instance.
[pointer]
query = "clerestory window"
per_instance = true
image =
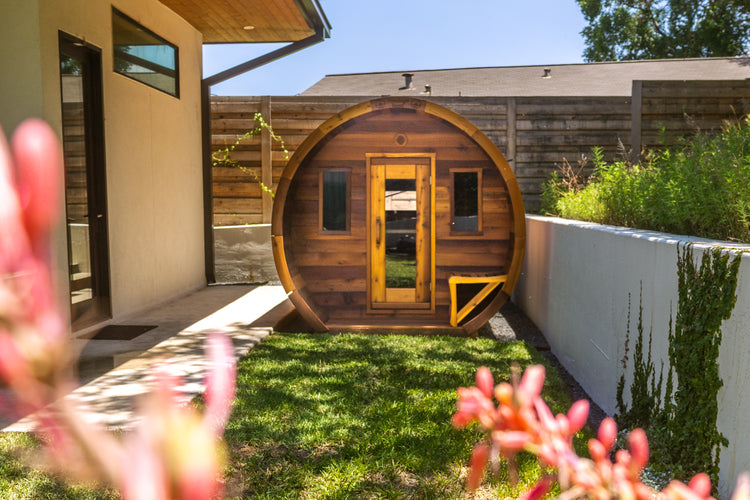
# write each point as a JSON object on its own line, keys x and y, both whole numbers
{"x": 142, "y": 55}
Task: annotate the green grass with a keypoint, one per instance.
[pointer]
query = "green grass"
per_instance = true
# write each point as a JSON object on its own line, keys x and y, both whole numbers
{"x": 400, "y": 271}
{"x": 19, "y": 481}
{"x": 351, "y": 416}
{"x": 346, "y": 416}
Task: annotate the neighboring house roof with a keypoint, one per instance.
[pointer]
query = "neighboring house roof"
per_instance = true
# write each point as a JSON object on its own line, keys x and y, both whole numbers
{"x": 230, "y": 21}
{"x": 585, "y": 79}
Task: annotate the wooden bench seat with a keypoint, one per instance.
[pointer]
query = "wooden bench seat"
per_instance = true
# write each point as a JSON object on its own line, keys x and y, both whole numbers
{"x": 490, "y": 281}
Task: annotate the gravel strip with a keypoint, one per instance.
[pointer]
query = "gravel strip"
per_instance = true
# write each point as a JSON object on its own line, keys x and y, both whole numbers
{"x": 512, "y": 324}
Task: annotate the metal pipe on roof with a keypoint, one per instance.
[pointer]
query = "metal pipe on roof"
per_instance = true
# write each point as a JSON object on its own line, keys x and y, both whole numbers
{"x": 264, "y": 59}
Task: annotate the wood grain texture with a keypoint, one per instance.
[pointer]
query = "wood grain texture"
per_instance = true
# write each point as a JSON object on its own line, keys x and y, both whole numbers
{"x": 223, "y": 21}
{"x": 339, "y": 272}
{"x": 537, "y": 133}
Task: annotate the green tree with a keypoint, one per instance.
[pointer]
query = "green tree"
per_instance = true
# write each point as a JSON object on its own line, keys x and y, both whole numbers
{"x": 662, "y": 29}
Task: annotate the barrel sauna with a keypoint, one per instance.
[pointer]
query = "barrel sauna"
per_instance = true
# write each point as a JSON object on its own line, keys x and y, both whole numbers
{"x": 398, "y": 215}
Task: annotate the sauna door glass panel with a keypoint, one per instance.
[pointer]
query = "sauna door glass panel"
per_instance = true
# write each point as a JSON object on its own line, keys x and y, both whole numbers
{"x": 400, "y": 236}
{"x": 85, "y": 194}
{"x": 400, "y": 233}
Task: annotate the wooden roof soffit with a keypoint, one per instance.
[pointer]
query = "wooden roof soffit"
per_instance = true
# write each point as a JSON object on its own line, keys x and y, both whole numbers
{"x": 251, "y": 21}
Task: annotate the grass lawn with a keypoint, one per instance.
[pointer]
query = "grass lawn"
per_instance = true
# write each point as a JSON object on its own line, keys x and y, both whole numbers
{"x": 353, "y": 416}
{"x": 340, "y": 416}
{"x": 18, "y": 481}
{"x": 400, "y": 271}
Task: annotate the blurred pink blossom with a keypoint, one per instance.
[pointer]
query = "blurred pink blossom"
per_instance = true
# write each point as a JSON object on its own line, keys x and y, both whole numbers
{"x": 521, "y": 420}
{"x": 175, "y": 452}
{"x": 183, "y": 446}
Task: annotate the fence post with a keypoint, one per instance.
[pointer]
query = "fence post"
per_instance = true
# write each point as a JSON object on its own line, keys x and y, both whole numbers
{"x": 266, "y": 160}
{"x": 511, "y": 133}
{"x": 636, "y": 110}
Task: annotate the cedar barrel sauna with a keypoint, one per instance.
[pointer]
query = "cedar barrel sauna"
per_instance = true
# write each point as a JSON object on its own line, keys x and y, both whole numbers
{"x": 398, "y": 215}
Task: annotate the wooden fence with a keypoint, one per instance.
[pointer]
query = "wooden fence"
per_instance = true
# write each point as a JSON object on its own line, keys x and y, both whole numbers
{"x": 536, "y": 134}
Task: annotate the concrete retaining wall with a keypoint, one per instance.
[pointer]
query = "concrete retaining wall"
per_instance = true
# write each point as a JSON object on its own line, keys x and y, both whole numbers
{"x": 575, "y": 285}
{"x": 243, "y": 254}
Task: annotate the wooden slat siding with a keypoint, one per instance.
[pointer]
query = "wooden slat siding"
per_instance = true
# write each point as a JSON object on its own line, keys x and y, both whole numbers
{"x": 293, "y": 118}
{"x": 551, "y": 129}
{"x": 546, "y": 129}
{"x": 236, "y": 195}
{"x": 684, "y": 107}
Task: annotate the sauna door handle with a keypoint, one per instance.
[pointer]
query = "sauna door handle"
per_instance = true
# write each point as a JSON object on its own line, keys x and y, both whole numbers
{"x": 378, "y": 228}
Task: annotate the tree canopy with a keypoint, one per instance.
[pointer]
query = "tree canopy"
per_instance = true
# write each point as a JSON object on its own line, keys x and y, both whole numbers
{"x": 663, "y": 29}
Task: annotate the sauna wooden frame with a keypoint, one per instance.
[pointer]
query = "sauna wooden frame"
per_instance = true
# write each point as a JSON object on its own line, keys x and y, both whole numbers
{"x": 328, "y": 278}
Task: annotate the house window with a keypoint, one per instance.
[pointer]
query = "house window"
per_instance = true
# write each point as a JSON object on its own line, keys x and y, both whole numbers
{"x": 466, "y": 201}
{"x": 142, "y": 55}
{"x": 335, "y": 189}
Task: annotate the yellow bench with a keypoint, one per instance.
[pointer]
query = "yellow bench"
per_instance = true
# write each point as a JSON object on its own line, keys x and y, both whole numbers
{"x": 491, "y": 282}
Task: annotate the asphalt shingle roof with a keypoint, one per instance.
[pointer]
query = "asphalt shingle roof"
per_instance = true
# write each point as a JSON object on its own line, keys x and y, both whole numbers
{"x": 585, "y": 79}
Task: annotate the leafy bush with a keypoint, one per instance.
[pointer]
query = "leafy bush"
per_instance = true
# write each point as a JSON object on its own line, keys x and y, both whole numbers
{"x": 698, "y": 188}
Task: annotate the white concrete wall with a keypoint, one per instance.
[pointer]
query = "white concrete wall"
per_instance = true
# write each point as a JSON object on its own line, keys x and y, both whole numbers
{"x": 574, "y": 286}
{"x": 153, "y": 140}
{"x": 244, "y": 254}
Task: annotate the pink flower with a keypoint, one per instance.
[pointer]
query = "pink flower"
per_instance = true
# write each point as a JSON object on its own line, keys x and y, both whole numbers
{"x": 742, "y": 488}
{"x": 175, "y": 452}
{"x": 532, "y": 383}
{"x": 474, "y": 405}
{"x": 539, "y": 490}
{"x": 701, "y": 484}
{"x": 220, "y": 382}
{"x": 522, "y": 421}
{"x": 577, "y": 415}
{"x": 638, "y": 444}
{"x": 38, "y": 159}
{"x": 607, "y": 434}
{"x": 479, "y": 458}
{"x": 484, "y": 381}
{"x": 182, "y": 448}
{"x": 34, "y": 340}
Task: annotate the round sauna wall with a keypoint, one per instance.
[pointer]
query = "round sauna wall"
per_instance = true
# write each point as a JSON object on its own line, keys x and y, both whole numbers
{"x": 398, "y": 214}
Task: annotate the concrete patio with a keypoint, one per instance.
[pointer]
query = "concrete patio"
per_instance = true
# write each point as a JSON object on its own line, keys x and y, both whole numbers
{"x": 114, "y": 373}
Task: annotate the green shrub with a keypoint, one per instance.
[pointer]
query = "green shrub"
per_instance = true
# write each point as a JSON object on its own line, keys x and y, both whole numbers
{"x": 698, "y": 188}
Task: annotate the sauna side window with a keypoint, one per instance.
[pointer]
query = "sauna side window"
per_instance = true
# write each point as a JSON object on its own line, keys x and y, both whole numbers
{"x": 466, "y": 201}
{"x": 335, "y": 201}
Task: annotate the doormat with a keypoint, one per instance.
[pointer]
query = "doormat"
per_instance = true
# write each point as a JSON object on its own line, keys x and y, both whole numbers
{"x": 121, "y": 332}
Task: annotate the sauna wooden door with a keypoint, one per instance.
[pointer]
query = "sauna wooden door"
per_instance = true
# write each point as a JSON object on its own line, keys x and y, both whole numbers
{"x": 400, "y": 233}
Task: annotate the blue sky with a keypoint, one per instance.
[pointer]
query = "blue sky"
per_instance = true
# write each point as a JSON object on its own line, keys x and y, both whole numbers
{"x": 400, "y": 35}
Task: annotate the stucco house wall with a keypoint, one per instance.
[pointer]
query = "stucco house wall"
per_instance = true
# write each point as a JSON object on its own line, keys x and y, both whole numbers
{"x": 152, "y": 141}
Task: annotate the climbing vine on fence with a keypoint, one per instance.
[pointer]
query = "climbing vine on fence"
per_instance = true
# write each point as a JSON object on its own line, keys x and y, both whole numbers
{"x": 223, "y": 156}
{"x": 686, "y": 422}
